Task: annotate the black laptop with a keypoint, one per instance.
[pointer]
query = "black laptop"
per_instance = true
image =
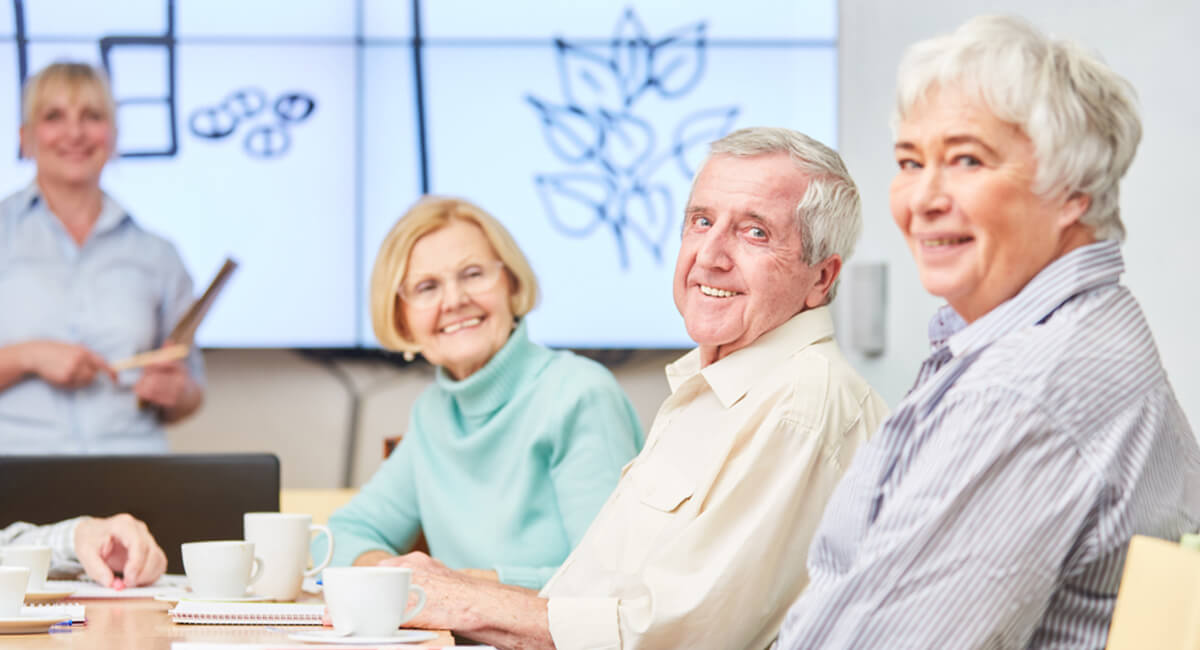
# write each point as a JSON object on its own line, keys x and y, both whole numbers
{"x": 181, "y": 497}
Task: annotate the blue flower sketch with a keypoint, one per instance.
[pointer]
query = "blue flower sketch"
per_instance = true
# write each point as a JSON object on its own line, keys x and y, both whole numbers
{"x": 613, "y": 155}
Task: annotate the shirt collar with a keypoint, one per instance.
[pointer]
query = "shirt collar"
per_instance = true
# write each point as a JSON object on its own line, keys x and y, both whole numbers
{"x": 111, "y": 212}
{"x": 1080, "y": 270}
{"x": 731, "y": 377}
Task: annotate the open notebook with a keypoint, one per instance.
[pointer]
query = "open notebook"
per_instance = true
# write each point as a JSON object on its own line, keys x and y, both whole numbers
{"x": 220, "y": 613}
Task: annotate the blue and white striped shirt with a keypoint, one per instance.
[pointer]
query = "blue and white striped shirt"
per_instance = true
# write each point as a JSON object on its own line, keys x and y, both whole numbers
{"x": 994, "y": 507}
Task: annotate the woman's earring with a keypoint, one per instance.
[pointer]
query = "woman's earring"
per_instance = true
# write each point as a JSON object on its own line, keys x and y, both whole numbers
{"x": 409, "y": 356}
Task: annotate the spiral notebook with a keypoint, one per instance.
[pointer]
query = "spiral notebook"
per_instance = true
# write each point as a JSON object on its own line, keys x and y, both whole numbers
{"x": 216, "y": 613}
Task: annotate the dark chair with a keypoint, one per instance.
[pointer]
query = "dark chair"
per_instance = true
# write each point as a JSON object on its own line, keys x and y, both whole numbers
{"x": 181, "y": 497}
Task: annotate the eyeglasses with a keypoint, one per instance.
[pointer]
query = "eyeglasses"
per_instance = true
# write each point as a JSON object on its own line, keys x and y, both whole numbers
{"x": 472, "y": 279}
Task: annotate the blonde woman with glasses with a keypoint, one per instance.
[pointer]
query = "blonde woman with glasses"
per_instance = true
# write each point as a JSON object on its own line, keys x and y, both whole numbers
{"x": 511, "y": 452}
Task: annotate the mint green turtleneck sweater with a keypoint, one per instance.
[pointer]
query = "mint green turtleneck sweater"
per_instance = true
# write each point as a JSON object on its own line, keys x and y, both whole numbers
{"x": 503, "y": 470}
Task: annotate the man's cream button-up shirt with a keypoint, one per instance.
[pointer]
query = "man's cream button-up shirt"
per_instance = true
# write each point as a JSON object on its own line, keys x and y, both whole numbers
{"x": 703, "y": 542}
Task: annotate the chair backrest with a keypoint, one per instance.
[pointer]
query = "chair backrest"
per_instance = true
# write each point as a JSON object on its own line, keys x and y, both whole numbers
{"x": 1158, "y": 605}
{"x": 181, "y": 497}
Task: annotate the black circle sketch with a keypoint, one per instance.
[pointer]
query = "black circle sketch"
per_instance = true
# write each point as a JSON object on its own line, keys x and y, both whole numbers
{"x": 245, "y": 102}
{"x": 267, "y": 141}
{"x": 212, "y": 122}
{"x": 294, "y": 107}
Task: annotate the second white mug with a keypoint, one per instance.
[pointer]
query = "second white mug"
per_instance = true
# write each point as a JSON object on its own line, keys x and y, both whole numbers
{"x": 221, "y": 569}
{"x": 282, "y": 541}
{"x": 370, "y": 601}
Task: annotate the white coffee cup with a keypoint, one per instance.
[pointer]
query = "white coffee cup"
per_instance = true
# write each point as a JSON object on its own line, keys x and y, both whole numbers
{"x": 13, "y": 580}
{"x": 221, "y": 569}
{"x": 282, "y": 540}
{"x": 35, "y": 558}
{"x": 370, "y": 601}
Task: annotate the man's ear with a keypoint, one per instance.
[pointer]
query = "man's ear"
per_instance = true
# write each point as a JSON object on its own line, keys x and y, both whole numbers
{"x": 827, "y": 273}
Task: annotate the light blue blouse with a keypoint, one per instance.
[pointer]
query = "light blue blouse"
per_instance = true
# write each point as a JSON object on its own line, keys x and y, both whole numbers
{"x": 504, "y": 470}
{"x": 118, "y": 294}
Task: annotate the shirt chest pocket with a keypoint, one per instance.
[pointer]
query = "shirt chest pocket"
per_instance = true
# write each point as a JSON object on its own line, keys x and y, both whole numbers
{"x": 663, "y": 494}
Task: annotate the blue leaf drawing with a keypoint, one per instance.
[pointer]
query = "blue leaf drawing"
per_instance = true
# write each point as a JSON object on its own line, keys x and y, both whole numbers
{"x": 589, "y": 80}
{"x": 689, "y": 145}
{"x": 576, "y": 202}
{"x": 677, "y": 60}
{"x": 598, "y": 129}
{"x": 647, "y": 211}
{"x": 571, "y": 133}
{"x": 628, "y": 141}
{"x": 631, "y": 54}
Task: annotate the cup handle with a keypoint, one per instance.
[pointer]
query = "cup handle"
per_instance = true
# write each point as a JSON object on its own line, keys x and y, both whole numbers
{"x": 318, "y": 528}
{"x": 408, "y": 616}
{"x": 256, "y": 572}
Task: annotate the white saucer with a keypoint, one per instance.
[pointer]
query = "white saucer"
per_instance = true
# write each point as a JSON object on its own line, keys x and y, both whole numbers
{"x": 333, "y": 636}
{"x": 35, "y": 624}
{"x": 47, "y": 595}
{"x": 174, "y": 598}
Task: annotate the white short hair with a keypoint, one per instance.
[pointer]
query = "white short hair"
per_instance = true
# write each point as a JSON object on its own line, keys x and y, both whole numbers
{"x": 829, "y": 215}
{"x": 1080, "y": 115}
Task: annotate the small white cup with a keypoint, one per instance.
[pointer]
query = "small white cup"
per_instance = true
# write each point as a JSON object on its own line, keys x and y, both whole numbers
{"x": 220, "y": 569}
{"x": 35, "y": 558}
{"x": 13, "y": 580}
{"x": 370, "y": 601}
{"x": 281, "y": 540}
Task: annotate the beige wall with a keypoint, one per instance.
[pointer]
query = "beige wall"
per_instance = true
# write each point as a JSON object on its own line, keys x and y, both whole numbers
{"x": 300, "y": 409}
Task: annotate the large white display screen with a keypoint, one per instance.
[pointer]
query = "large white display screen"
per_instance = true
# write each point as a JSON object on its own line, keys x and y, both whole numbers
{"x": 291, "y": 134}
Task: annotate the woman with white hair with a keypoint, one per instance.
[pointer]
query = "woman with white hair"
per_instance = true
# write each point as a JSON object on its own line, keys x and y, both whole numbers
{"x": 994, "y": 507}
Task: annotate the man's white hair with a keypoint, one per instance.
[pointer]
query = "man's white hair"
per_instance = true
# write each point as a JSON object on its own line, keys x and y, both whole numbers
{"x": 829, "y": 215}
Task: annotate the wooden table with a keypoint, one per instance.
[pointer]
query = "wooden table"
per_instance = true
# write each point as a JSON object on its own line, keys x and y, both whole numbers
{"x": 143, "y": 624}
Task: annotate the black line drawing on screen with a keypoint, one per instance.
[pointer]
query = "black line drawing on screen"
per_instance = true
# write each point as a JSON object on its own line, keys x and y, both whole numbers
{"x": 614, "y": 150}
{"x": 113, "y": 49}
{"x": 264, "y": 140}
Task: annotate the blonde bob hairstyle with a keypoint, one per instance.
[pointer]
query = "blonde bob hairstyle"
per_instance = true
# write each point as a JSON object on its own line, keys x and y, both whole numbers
{"x": 76, "y": 78}
{"x": 429, "y": 214}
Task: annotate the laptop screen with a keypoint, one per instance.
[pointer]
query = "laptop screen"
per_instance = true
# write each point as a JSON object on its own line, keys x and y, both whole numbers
{"x": 181, "y": 497}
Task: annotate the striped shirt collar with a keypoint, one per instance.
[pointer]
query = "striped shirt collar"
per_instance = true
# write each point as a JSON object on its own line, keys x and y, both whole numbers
{"x": 1080, "y": 270}
{"x": 732, "y": 377}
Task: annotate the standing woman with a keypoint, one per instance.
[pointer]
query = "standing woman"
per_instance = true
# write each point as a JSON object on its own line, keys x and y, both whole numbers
{"x": 514, "y": 448}
{"x": 82, "y": 284}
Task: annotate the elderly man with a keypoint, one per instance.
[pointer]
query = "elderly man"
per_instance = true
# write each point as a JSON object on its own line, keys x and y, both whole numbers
{"x": 693, "y": 548}
{"x": 994, "y": 509}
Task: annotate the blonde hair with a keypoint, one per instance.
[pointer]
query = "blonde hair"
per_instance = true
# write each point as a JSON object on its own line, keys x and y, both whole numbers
{"x": 75, "y": 77}
{"x": 427, "y": 215}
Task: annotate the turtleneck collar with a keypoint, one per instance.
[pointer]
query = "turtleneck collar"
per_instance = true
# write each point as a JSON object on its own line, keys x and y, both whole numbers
{"x": 495, "y": 384}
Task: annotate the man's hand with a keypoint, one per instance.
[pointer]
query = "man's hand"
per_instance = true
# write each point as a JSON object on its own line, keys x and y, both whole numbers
{"x": 65, "y": 365}
{"x": 448, "y": 592}
{"x": 479, "y": 608}
{"x": 119, "y": 543}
